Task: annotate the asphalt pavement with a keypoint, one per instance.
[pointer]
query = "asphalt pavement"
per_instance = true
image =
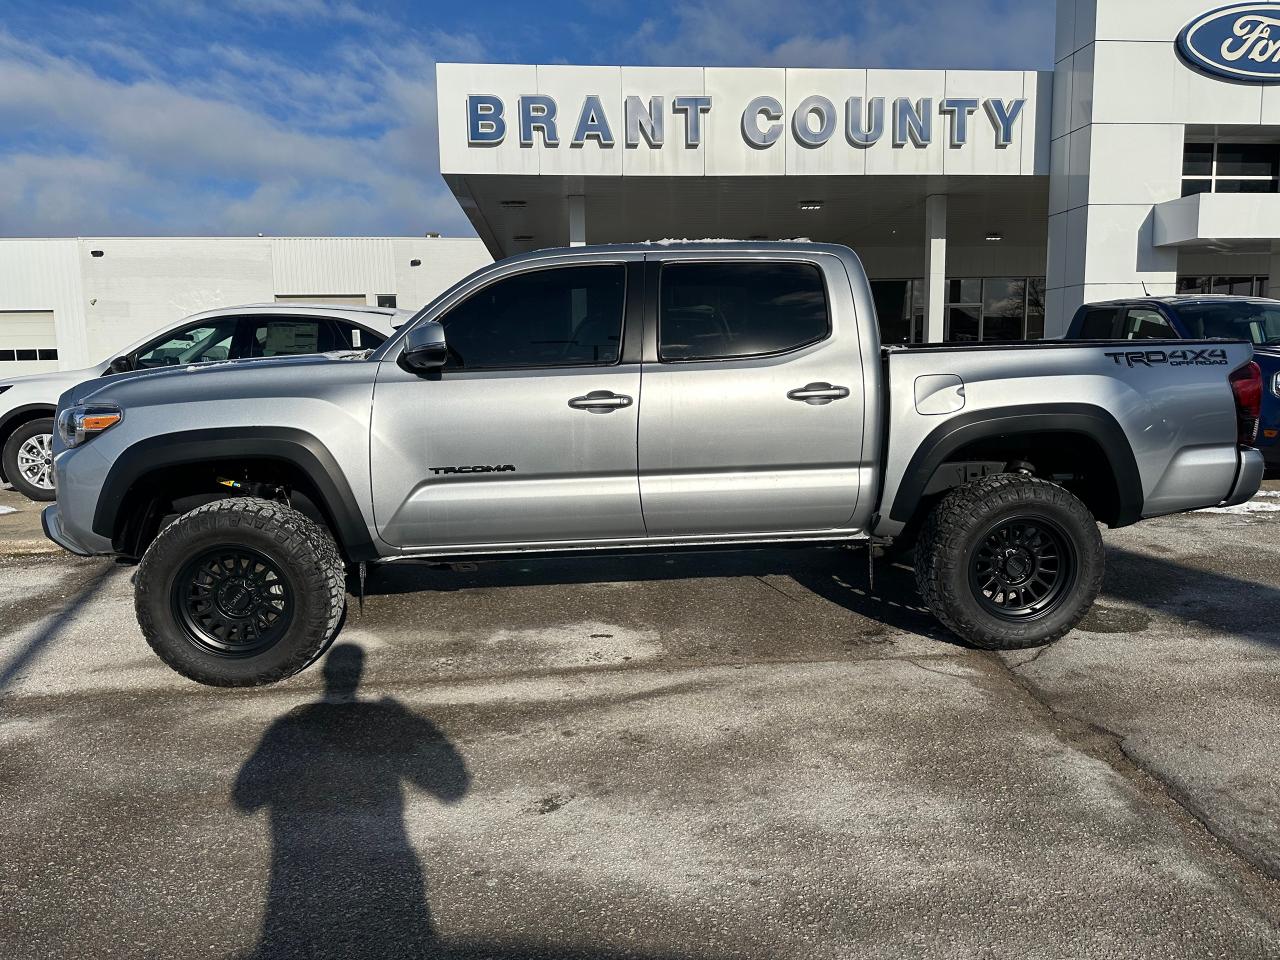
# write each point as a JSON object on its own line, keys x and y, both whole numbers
{"x": 690, "y": 756}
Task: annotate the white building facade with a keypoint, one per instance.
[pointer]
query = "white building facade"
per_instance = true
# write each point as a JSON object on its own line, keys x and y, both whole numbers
{"x": 984, "y": 204}
{"x": 67, "y": 303}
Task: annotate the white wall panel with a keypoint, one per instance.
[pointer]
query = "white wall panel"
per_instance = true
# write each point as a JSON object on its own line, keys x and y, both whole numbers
{"x": 1149, "y": 83}
{"x": 914, "y": 85}
{"x": 673, "y": 159}
{"x": 1037, "y": 122}
{"x": 445, "y": 261}
{"x": 837, "y": 155}
{"x": 454, "y": 82}
{"x": 568, "y": 86}
{"x": 139, "y": 285}
{"x": 980, "y": 154}
{"x": 1134, "y": 164}
{"x": 332, "y": 266}
{"x": 731, "y": 90}
{"x": 44, "y": 275}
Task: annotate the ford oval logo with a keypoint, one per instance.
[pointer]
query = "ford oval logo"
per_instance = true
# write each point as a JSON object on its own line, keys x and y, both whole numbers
{"x": 1240, "y": 42}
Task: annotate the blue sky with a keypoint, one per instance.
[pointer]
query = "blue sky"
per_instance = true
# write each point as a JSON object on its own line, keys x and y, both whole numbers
{"x": 234, "y": 117}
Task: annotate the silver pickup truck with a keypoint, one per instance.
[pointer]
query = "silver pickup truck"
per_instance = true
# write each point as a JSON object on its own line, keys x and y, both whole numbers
{"x": 645, "y": 397}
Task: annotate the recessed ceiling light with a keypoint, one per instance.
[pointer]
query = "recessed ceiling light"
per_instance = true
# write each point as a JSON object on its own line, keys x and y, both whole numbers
{"x": 995, "y": 237}
{"x": 810, "y": 204}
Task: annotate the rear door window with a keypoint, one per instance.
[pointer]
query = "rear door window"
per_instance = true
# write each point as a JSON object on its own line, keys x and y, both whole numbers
{"x": 288, "y": 336}
{"x": 717, "y": 311}
{"x": 1145, "y": 324}
{"x": 1099, "y": 324}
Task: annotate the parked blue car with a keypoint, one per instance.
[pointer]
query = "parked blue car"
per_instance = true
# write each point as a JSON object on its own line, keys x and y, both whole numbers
{"x": 1199, "y": 317}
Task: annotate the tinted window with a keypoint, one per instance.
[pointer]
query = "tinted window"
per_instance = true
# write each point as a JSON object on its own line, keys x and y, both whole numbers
{"x": 205, "y": 342}
{"x": 1099, "y": 325}
{"x": 1143, "y": 324}
{"x": 288, "y": 336}
{"x": 1257, "y": 321}
{"x": 567, "y": 316}
{"x": 717, "y": 310}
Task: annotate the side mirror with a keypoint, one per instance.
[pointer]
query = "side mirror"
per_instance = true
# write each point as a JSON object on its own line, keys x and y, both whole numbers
{"x": 424, "y": 348}
{"x": 120, "y": 365}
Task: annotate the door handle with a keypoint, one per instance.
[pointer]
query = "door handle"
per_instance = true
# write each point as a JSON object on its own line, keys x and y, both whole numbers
{"x": 601, "y": 401}
{"x": 817, "y": 394}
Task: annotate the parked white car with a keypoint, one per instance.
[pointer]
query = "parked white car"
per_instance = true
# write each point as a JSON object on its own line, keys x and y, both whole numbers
{"x": 27, "y": 404}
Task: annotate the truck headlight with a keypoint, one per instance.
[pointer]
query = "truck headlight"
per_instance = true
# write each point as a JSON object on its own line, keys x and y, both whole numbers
{"x": 1275, "y": 384}
{"x": 84, "y": 421}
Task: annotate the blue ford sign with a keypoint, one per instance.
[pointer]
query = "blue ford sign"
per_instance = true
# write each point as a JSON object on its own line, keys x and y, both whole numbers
{"x": 1240, "y": 42}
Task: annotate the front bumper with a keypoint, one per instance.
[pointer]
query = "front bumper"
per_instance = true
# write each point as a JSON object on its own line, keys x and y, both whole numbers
{"x": 51, "y": 520}
{"x": 1248, "y": 477}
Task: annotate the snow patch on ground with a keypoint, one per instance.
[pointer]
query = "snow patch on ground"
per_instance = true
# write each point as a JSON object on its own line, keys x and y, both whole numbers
{"x": 1267, "y": 501}
{"x": 4, "y": 510}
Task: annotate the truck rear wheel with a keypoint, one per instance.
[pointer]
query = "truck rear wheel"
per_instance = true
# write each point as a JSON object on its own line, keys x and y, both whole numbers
{"x": 1010, "y": 561}
{"x": 240, "y": 592}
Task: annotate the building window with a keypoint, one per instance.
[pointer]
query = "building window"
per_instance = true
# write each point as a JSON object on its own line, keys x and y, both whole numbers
{"x": 1223, "y": 167}
{"x": 1235, "y": 286}
{"x": 386, "y": 300}
{"x": 999, "y": 308}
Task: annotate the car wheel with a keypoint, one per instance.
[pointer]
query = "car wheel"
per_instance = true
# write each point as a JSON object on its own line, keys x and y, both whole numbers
{"x": 240, "y": 592}
{"x": 1010, "y": 561}
{"x": 28, "y": 460}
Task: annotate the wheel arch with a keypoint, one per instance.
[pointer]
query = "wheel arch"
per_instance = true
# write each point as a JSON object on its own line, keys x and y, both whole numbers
{"x": 147, "y": 466}
{"x": 1078, "y": 429}
{"x": 18, "y": 416}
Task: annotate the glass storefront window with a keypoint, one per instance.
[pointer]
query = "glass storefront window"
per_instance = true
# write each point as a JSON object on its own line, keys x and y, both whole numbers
{"x": 964, "y": 323}
{"x": 1236, "y": 286}
{"x": 1225, "y": 167}
{"x": 1009, "y": 308}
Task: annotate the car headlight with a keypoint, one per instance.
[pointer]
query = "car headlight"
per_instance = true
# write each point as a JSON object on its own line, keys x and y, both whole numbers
{"x": 84, "y": 421}
{"x": 1275, "y": 384}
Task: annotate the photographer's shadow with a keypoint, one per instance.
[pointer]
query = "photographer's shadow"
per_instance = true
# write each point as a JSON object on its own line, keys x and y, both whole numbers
{"x": 345, "y": 880}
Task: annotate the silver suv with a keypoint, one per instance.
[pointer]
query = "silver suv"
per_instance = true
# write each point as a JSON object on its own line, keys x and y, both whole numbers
{"x": 255, "y": 330}
{"x": 615, "y": 399}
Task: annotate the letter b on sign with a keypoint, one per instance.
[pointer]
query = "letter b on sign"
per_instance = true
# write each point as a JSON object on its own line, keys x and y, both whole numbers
{"x": 485, "y": 126}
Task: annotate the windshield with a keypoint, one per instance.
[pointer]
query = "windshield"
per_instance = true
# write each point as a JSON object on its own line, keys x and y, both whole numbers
{"x": 1256, "y": 320}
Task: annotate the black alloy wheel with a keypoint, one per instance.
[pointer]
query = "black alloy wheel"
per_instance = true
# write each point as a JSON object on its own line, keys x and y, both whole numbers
{"x": 1022, "y": 568}
{"x": 232, "y": 601}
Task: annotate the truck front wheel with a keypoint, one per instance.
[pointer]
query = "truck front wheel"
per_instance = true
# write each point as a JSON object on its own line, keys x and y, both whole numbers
{"x": 240, "y": 592}
{"x": 1010, "y": 561}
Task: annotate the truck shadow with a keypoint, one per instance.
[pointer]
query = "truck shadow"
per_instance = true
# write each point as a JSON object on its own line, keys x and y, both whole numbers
{"x": 835, "y": 574}
{"x": 1215, "y": 600}
{"x": 1195, "y": 595}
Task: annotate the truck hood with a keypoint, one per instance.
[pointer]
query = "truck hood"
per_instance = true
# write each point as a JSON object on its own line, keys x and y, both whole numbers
{"x": 184, "y": 382}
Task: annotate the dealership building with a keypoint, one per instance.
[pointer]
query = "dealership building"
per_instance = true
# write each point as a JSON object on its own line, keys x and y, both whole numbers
{"x": 984, "y": 204}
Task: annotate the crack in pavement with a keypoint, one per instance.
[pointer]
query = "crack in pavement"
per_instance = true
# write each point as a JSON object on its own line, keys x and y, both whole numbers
{"x": 1107, "y": 745}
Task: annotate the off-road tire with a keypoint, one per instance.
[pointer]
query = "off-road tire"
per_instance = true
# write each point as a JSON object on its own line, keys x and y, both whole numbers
{"x": 11, "y": 471}
{"x": 958, "y": 527}
{"x": 302, "y": 551}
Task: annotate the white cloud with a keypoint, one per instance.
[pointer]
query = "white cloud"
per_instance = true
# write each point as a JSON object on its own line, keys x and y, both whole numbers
{"x": 249, "y": 146}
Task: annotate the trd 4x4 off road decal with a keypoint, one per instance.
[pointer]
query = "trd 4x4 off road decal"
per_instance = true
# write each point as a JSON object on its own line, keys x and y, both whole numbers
{"x": 483, "y": 468}
{"x": 1207, "y": 357}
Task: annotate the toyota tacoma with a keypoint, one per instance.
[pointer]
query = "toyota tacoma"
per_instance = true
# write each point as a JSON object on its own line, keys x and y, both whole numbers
{"x": 641, "y": 397}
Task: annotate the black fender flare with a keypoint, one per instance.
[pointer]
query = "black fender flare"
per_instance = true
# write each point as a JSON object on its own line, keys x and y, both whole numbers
{"x": 1041, "y": 418}
{"x": 295, "y": 447}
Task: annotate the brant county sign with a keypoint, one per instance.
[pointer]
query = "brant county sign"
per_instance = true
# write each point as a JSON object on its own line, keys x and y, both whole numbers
{"x": 862, "y": 122}
{"x": 1240, "y": 42}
